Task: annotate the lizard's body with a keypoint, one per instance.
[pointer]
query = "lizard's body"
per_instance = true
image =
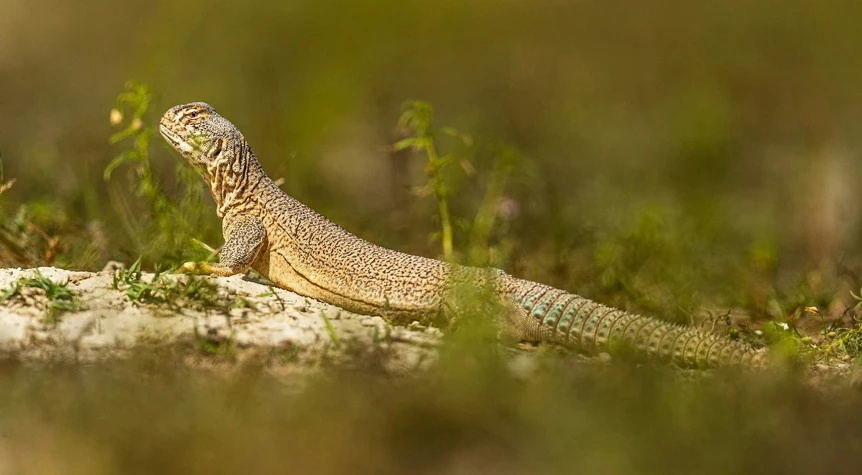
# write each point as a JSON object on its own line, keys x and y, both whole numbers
{"x": 301, "y": 250}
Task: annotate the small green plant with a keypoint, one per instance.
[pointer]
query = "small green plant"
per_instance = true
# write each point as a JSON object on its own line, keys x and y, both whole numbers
{"x": 60, "y": 298}
{"x": 176, "y": 224}
{"x": 417, "y": 122}
{"x": 844, "y": 343}
{"x": 330, "y": 330}
{"x": 175, "y": 291}
{"x": 137, "y": 97}
{"x": 137, "y": 289}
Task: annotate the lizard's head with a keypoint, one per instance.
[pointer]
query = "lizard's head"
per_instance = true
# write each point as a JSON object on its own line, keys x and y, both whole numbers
{"x": 199, "y": 134}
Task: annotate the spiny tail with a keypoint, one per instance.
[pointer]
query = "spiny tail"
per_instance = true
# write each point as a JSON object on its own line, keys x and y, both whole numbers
{"x": 556, "y": 316}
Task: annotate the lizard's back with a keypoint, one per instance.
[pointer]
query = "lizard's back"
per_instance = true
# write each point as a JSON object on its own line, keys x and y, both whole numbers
{"x": 306, "y": 243}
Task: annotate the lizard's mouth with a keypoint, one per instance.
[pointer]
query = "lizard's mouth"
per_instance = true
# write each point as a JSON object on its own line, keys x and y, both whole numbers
{"x": 174, "y": 139}
{"x": 169, "y": 135}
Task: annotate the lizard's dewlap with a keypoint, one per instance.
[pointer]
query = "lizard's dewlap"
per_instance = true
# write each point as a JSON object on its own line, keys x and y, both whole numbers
{"x": 301, "y": 250}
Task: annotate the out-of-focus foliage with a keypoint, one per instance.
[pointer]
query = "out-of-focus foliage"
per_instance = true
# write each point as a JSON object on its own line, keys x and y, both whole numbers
{"x": 465, "y": 416}
{"x": 693, "y": 160}
{"x": 734, "y": 123}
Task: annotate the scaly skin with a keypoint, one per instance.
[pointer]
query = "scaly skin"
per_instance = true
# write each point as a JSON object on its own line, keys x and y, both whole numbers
{"x": 302, "y": 251}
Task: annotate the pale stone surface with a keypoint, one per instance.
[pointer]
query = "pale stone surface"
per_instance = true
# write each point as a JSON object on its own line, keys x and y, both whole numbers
{"x": 110, "y": 324}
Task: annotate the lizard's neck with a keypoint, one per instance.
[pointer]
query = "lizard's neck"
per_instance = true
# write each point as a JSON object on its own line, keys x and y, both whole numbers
{"x": 234, "y": 176}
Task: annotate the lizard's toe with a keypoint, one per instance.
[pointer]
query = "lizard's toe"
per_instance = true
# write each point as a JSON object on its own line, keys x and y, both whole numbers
{"x": 189, "y": 268}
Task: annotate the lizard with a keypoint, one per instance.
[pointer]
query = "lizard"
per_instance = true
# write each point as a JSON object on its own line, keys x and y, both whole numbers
{"x": 300, "y": 250}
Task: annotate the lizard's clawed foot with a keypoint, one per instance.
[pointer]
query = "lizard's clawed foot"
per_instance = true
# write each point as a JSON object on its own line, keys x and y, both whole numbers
{"x": 192, "y": 268}
{"x": 206, "y": 268}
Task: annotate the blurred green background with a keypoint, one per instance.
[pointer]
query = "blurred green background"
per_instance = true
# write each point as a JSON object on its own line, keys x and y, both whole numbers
{"x": 676, "y": 158}
{"x": 720, "y": 136}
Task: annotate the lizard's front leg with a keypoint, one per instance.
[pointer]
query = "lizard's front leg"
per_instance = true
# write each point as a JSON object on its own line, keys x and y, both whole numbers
{"x": 245, "y": 237}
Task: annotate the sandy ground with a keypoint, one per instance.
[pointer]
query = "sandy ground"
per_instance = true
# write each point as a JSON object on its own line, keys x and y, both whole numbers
{"x": 109, "y": 325}
{"x": 294, "y": 334}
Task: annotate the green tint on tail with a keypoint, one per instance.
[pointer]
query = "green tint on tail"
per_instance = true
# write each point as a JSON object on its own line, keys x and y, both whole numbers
{"x": 573, "y": 321}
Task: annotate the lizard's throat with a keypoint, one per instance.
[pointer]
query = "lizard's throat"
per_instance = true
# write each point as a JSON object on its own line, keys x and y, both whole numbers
{"x": 226, "y": 188}
{"x": 227, "y": 174}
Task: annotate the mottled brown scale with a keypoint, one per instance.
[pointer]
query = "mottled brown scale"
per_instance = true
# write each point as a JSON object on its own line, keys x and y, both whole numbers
{"x": 300, "y": 250}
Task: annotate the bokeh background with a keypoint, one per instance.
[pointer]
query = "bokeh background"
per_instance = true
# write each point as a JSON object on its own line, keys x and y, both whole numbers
{"x": 725, "y": 132}
{"x": 680, "y": 158}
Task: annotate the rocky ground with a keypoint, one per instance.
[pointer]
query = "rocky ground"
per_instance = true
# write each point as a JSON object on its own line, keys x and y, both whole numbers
{"x": 249, "y": 318}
